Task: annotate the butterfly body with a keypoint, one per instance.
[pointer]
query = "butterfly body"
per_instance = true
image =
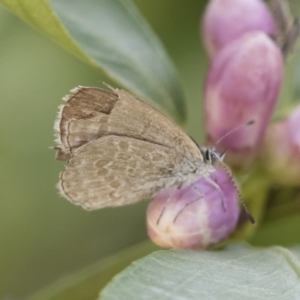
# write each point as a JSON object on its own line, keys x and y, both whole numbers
{"x": 120, "y": 149}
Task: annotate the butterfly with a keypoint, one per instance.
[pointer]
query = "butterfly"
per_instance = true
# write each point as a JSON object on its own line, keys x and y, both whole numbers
{"x": 120, "y": 150}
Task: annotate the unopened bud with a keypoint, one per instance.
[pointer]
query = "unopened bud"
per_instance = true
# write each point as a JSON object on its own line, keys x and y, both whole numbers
{"x": 243, "y": 84}
{"x": 227, "y": 20}
{"x": 195, "y": 216}
{"x": 281, "y": 152}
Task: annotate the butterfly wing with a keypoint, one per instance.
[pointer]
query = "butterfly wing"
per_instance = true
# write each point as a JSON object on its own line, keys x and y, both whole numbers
{"x": 119, "y": 149}
{"x": 118, "y": 170}
{"x": 91, "y": 113}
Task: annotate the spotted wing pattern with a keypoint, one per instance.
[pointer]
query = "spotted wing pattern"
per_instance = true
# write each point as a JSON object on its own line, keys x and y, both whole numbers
{"x": 114, "y": 170}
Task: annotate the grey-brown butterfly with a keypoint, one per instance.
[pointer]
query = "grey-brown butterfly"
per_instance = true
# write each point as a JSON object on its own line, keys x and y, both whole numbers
{"x": 121, "y": 150}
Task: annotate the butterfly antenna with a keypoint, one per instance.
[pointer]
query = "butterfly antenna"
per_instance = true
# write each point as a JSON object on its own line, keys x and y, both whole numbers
{"x": 223, "y": 165}
{"x": 249, "y": 215}
{"x": 234, "y": 130}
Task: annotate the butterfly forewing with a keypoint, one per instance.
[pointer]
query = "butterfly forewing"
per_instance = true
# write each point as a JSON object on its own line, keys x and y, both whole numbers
{"x": 119, "y": 149}
{"x": 92, "y": 112}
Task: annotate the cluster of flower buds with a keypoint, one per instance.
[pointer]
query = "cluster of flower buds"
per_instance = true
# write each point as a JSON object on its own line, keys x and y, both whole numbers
{"x": 245, "y": 76}
{"x": 242, "y": 87}
{"x": 243, "y": 84}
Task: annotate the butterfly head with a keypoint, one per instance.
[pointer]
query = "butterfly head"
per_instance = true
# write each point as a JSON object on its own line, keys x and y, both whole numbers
{"x": 211, "y": 155}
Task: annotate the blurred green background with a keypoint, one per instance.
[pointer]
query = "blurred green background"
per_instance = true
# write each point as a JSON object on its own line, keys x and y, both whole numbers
{"x": 42, "y": 236}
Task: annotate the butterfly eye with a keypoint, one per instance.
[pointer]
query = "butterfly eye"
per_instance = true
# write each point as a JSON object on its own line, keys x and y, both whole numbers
{"x": 207, "y": 155}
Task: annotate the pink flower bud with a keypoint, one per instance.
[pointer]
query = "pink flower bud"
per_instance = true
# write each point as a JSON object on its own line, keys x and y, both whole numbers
{"x": 227, "y": 20}
{"x": 281, "y": 152}
{"x": 242, "y": 85}
{"x": 197, "y": 215}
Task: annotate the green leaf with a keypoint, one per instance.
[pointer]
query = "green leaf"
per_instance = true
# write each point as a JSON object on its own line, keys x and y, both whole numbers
{"x": 113, "y": 36}
{"x": 238, "y": 272}
{"x": 86, "y": 283}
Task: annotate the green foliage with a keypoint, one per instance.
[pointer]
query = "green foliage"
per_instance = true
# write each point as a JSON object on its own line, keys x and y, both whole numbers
{"x": 237, "y": 272}
{"x": 113, "y": 36}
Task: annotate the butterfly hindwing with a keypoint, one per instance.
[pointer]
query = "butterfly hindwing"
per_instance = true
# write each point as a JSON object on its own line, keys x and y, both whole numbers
{"x": 114, "y": 170}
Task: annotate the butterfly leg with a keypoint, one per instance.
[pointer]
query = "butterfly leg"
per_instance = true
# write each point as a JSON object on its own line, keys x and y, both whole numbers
{"x": 186, "y": 205}
{"x": 200, "y": 197}
{"x": 213, "y": 183}
{"x": 180, "y": 185}
{"x": 181, "y": 182}
{"x": 161, "y": 213}
{"x": 164, "y": 208}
